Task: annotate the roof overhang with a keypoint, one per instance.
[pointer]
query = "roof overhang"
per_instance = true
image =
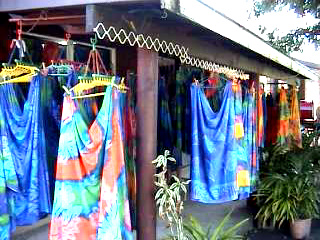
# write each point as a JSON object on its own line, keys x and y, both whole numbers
{"x": 203, "y": 13}
{"x": 192, "y": 14}
{"x": 22, "y": 5}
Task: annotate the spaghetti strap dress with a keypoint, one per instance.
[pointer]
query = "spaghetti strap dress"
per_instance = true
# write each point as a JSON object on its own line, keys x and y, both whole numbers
{"x": 91, "y": 199}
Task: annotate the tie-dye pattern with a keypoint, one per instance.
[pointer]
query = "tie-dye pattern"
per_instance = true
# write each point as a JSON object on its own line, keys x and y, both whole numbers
{"x": 90, "y": 192}
{"x": 284, "y": 113}
{"x": 24, "y": 183}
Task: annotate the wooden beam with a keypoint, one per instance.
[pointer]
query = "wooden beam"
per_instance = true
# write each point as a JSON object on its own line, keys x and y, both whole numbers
{"x": 147, "y": 106}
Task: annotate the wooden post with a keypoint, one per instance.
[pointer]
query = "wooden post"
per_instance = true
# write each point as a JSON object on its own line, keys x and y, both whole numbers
{"x": 147, "y": 105}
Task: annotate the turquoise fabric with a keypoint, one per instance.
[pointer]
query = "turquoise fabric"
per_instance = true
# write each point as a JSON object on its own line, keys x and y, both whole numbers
{"x": 24, "y": 183}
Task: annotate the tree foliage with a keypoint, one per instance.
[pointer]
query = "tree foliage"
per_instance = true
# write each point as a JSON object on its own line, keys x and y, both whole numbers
{"x": 293, "y": 40}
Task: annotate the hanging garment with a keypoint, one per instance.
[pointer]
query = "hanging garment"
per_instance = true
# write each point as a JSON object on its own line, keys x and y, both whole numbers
{"x": 215, "y": 151}
{"x": 238, "y": 128}
{"x": 272, "y": 121}
{"x": 250, "y": 142}
{"x": 165, "y": 131}
{"x": 24, "y": 184}
{"x": 284, "y": 116}
{"x": 243, "y": 165}
{"x": 182, "y": 116}
{"x": 265, "y": 118}
{"x": 260, "y": 116}
{"x": 129, "y": 141}
{"x": 51, "y": 105}
{"x": 294, "y": 122}
{"x": 90, "y": 191}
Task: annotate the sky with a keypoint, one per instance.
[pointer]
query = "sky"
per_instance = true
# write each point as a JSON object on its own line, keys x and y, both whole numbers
{"x": 242, "y": 12}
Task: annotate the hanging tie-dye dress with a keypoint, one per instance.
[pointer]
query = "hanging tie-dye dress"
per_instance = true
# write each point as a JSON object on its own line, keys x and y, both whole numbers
{"x": 24, "y": 184}
{"x": 90, "y": 199}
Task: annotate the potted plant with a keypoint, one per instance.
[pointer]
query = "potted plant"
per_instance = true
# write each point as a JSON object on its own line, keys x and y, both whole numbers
{"x": 288, "y": 190}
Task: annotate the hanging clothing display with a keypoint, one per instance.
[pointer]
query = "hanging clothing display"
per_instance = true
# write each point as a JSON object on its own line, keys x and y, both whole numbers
{"x": 238, "y": 128}
{"x": 260, "y": 116}
{"x": 165, "y": 131}
{"x": 215, "y": 151}
{"x": 294, "y": 122}
{"x": 249, "y": 142}
{"x": 284, "y": 115}
{"x": 243, "y": 165}
{"x": 51, "y": 105}
{"x": 129, "y": 141}
{"x": 272, "y": 121}
{"x": 24, "y": 183}
{"x": 182, "y": 114}
{"x": 90, "y": 191}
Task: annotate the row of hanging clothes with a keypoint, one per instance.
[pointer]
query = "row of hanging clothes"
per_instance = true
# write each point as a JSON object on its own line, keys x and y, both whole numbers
{"x": 65, "y": 151}
{"x": 224, "y": 146}
{"x": 283, "y": 121}
{"x": 231, "y": 122}
{"x": 224, "y": 124}
{"x": 215, "y": 123}
{"x": 174, "y": 111}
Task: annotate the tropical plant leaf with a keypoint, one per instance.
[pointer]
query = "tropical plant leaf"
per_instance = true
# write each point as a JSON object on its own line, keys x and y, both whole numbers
{"x": 218, "y": 230}
{"x": 230, "y": 233}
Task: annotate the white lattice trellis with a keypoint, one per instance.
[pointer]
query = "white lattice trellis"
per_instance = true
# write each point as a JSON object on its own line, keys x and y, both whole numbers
{"x": 133, "y": 39}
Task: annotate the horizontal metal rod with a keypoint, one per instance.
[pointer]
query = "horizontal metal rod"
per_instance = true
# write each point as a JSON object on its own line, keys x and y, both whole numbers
{"x": 59, "y": 40}
{"x": 47, "y": 18}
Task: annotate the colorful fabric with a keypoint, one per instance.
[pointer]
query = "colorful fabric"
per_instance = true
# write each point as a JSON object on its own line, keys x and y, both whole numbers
{"x": 238, "y": 126}
{"x": 284, "y": 115}
{"x": 90, "y": 192}
{"x": 180, "y": 108}
{"x": 243, "y": 166}
{"x": 216, "y": 153}
{"x": 294, "y": 122}
{"x": 165, "y": 130}
{"x": 129, "y": 140}
{"x": 250, "y": 140}
{"x": 260, "y": 121}
{"x": 24, "y": 184}
{"x": 265, "y": 118}
{"x": 272, "y": 121}
{"x": 182, "y": 115}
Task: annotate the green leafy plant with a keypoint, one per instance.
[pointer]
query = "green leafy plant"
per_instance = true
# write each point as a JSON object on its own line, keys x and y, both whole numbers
{"x": 288, "y": 188}
{"x": 169, "y": 198}
{"x": 196, "y": 232}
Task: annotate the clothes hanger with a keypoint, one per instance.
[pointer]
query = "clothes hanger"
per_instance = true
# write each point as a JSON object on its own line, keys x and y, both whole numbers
{"x": 22, "y": 71}
{"x": 95, "y": 58}
{"x": 18, "y": 74}
{"x": 96, "y": 79}
{"x": 60, "y": 68}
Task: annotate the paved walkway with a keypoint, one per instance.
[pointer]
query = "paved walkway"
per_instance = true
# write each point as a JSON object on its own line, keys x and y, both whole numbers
{"x": 207, "y": 214}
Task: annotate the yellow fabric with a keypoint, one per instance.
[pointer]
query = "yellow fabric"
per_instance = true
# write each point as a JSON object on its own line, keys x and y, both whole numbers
{"x": 294, "y": 122}
{"x": 243, "y": 178}
{"x": 238, "y": 130}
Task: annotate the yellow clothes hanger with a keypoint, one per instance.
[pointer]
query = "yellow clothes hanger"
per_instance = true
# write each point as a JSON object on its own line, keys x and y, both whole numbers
{"x": 18, "y": 74}
{"x": 86, "y": 83}
{"x": 95, "y": 81}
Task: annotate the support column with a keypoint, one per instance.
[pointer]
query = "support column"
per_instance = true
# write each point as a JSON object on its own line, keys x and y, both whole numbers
{"x": 70, "y": 50}
{"x": 147, "y": 105}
